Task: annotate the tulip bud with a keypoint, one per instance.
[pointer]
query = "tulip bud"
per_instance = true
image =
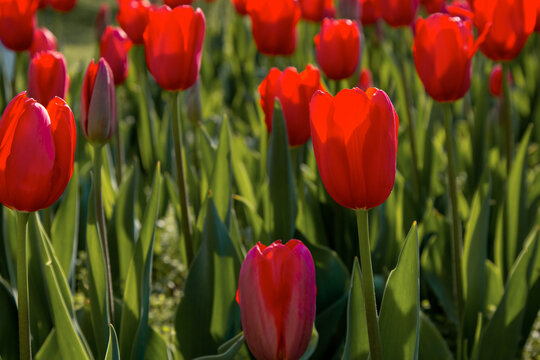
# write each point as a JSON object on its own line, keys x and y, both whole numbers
{"x": 398, "y": 13}
{"x": 114, "y": 47}
{"x": 364, "y": 82}
{"x": 349, "y": 9}
{"x": 98, "y": 103}
{"x": 103, "y": 19}
{"x": 276, "y": 294}
{"x": 371, "y": 12}
{"x": 47, "y": 77}
{"x": 43, "y": 40}
{"x": 133, "y": 18}
{"x": 240, "y": 6}
{"x": 62, "y": 5}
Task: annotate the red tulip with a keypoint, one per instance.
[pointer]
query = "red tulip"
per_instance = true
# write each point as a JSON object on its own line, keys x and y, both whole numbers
{"x": 173, "y": 46}
{"x": 98, "y": 103}
{"x": 433, "y": 6}
{"x": 276, "y": 293}
{"x": 43, "y": 40}
{"x": 114, "y": 47}
{"x": 17, "y": 23}
{"x": 315, "y": 10}
{"x": 62, "y": 5}
{"x": 495, "y": 81}
{"x": 399, "y": 12}
{"x": 371, "y": 11}
{"x": 37, "y": 149}
{"x": 355, "y": 142}
{"x": 103, "y": 19}
{"x": 508, "y": 23}
{"x": 442, "y": 50}
{"x": 350, "y": 9}
{"x": 338, "y": 48}
{"x": 133, "y": 18}
{"x": 537, "y": 27}
{"x": 175, "y": 3}
{"x": 47, "y": 77}
{"x": 364, "y": 82}
{"x": 294, "y": 92}
{"x": 240, "y": 6}
{"x": 273, "y": 24}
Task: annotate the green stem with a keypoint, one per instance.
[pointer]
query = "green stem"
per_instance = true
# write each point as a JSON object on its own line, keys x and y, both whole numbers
{"x": 456, "y": 226}
{"x": 18, "y": 66}
{"x": 181, "y": 179}
{"x": 47, "y": 220}
{"x": 368, "y": 286}
{"x": 102, "y": 229}
{"x": 507, "y": 118}
{"x": 22, "y": 288}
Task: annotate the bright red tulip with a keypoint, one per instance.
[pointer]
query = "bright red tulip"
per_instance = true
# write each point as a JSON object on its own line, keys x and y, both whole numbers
{"x": 98, "y": 103}
{"x": 43, "y": 40}
{"x": 294, "y": 92}
{"x": 315, "y": 10}
{"x": 37, "y": 149}
{"x": 175, "y": 3}
{"x": 133, "y": 18}
{"x": 17, "y": 23}
{"x": 47, "y": 77}
{"x": 442, "y": 50}
{"x": 173, "y": 46}
{"x": 62, "y": 5}
{"x": 273, "y": 24}
{"x": 433, "y": 6}
{"x": 355, "y": 142}
{"x": 371, "y": 11}
{"x": 114, "y": 47}
{"x": 508, "y": 23}
{"x": 399, "y": 12}
{"x": 338, "y": 48}
{"x": 240, "y": 6}
{"x": 495, "y": 81}
{"x": 276, "y": 294}
{"x": 364, "y": 82}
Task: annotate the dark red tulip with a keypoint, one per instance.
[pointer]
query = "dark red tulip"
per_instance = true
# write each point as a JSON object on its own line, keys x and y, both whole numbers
{"x": 371, "y": 11}
{"x": 508, "y": 23}
{"x": 276, "y": 294}
{"x": 133, "y": 18}
{"x": 433, "y": 6}
{"x": 47, "y": 77}
{"x": 103, "y": 19}
{"x": 355, "y": 142}
{"x": 98, "y": 103}
{"x": 62, "y": 5}
{"x": 364, "y": 82}
{"x": 240, "y": 6}
{"x": 37, "y": 150}
{"x": 294, "y": 92}
{"x": 315, "y": 10}
{"x": 17, "y": 23}
{"x": 273, "y": 24}
{"x": 398, "y": 13}
{"x": 173, "y": 46}
{"x": 495, "y": 81}
{"x": 350, "y": 9}
{"x": 43, "y": 40}
{"x": 114, "y": 47}
{"x": 537, "y": 27}
{"x": 338, "y": 48}
{"x": 175, "y": 3}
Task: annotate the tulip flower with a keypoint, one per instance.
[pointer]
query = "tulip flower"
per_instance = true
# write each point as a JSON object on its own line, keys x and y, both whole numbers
{"x": 315, "y": 10}
{"x": 338, "y": 48}
{"x": 173, "y": 46}
{"x": 240, "y": 6}
{"x": 276, "y": 294}
{"x": 371, "y": 11}
{"x": 175, "y": 3}
{"x": 133, "y": 18}
{"x": 103, "y": 19}
{"x": 294, "y": 92}
{"x": 355, "y": 142}
{"x": 433, "y": 6}
{"x": 364, "y": 82}
{"x": 62, "y": 5}
{"x": 495, "y": 81}
{"x": 37, "y": 150}
{"x": 114, "y": 48}
{"x": 47, "y": 77}
{"x": 273, "y": 24}
{"x": 98, "y": 103}
{"x": 43, "y": 40}
{"x": 17, "y": 23}
{"x": 398, "y": 13}
{"x": 509, "y": 23}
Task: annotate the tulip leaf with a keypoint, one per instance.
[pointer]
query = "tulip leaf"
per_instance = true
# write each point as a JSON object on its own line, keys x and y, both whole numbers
{"x": 400, "y": 309}
{"x": 112, "y": 349}
{"x": 283, "y": 203}
{"x": 228, "y": 350}
{"x": 49, "y": 349}
{"x": 312, "y": 345}
{"x": 494, "y": 287}
{"x": 157, "y": 348}
{"x": 9, "y": 346}
{"x": 220, "y": 183}
{"x": 240, "y": 172}
{"x": 208, "y": 313}
{"x": 432, "y": 344}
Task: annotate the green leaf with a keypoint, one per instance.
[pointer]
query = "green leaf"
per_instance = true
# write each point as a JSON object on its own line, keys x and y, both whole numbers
{"x": 494, "y": 287}
{"x": 400, "y": 309}
{"x": 49, "y": 349}
{"x": 432, "y": 344}
{"x": 9, "y": 346}
{"x": 312, "y": 345}
{"x": 157, "y": 348}
{"x": 240, "y": 172}
{"x": 112, "y": 348}
{"x": 228, "y": 350}
{"x": 220, "y": 183}
{"x": 356, "y": 343}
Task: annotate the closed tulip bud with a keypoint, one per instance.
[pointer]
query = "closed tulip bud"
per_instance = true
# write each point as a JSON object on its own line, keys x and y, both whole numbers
{"x": 495, "y": 81}
{"x": 294, "y": 92}
{"x": 364, "y": 82}
{"x": 338, "y": 48}
{"x": 114, "y": 48}
{"x": 240, "y": 6}
{"x": 133, "y": 18}
{"x": 103, "y": 19}
{"x": 43, "y": 40}
{"x": 37, "y": 149}
{"x": 62, "y": 5}
{"x": 98, "y": 103}
{"x": 175, "y": 3}
{"x": 47, "y": 77}
{"x": 17, "y": 23}
{"x": 398, "y": 13}
{"x": 509, "y": 23}
{"x": 355, "y": 141}
{"x": 276, "y": 294}
{"x": 371, "y": 11}
{"x": 350, "y": 9}
{"x": 273, "y": 24}
{"x": 173, "y": 46}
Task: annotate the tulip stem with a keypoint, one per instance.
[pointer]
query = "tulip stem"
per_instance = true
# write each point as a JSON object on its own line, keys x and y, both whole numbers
{"x": 25, "y": 352}
{"x": 181, "y": 179}
{"x": 456, "y": 226}
{"x": 507, "y": 118}
{"x": 368, "y": 286}
{"x": 102, "y": 229}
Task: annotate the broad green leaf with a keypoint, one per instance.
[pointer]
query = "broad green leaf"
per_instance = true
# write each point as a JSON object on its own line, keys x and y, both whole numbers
{"x": 533, "y": 297}
{"x": 432, "y": 344}
{"x": 112, "y": 349}
{"x": 228, "y": 350}
{"x": 49, "y": 349}
{"x": 331, "y": 324}
{"x": 312, "y": 345}
{"x": 220, "y": 183}
{"x": 494, "y": 287}
{"x": 240, "y": 172}
{"x": 9, "y": 333}
{"x": 157, "y": 348}
{"x": 400, "y": 309}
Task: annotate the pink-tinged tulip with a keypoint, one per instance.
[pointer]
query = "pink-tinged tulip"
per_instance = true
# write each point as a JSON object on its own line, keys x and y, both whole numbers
{"x": 47, "y": 77}
{"x": 98, "y": 103}
{"x": 114, "y": 47}
{"x": 17, "y": 23}
{"x": 103, "y": 19}
{"x": 355, "y": 142}
{"x": 173, "y": 46}
{"x": 273, "y": 25}
{"x": 276, "y": 294}
{"x": 338, "y": 48}
{"x": 37, "y": 150}
{"x": 62, "y": 5}
{"x": 133, "y": 18}
{"x": 398, "y": 13}
{"x": 495, "y": 81}
{"x": 371, "y": 11}
{"x": 294, "y": 92}
{"x": 175, "y": 3}
{"x": 364, "y": 82}
{"x": 240, "y": 6}
{"x": 43, "y": 40}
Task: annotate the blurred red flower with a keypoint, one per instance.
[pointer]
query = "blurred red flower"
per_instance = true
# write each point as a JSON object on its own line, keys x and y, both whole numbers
{"x": 114, "y": 47}
{"x": 133, "y": 18}
{"x": 399, "y": 12}
{"x": 17, "y": 23}
{"x": 43, "y": 40}
{"x": 47, "y": 77}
